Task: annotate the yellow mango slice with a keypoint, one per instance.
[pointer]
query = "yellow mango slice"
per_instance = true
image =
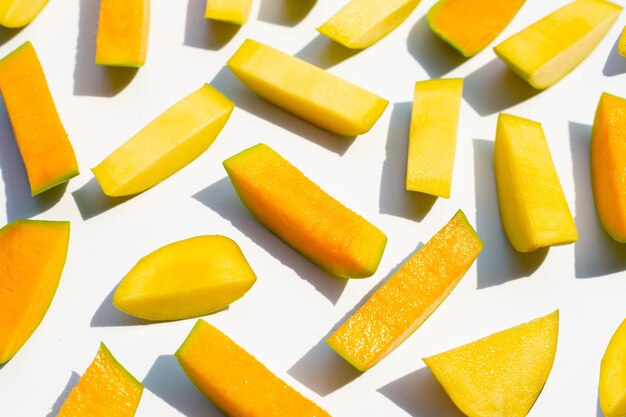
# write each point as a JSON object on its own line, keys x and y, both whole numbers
{"x": 533, "y": 208}
{"x": 41, "y": 138}
{"x": 362, "y": 23}
{"x": 621, "y": 46}
{"x": 305, "y": 90}
{"x": 612, "y": 390}
{"x": 303, "y": 215}
{"x": 184, "y": 279}
{"x": 432, "y": 137}
{"x": 32, "y": 256}
{"x": 237, "y": 382}
{"x": 231, "y": 11}
{"x": 500, "y": 375}
{"x": 105, "y": 389}
{"x": 19, "y": 13}
{"x": 470, "y": 25}
{"x": 123, "y": 27}
{"x": 168, "y": 143}
{"x": 409, "y": 296}
{"x": 545, "y": 52}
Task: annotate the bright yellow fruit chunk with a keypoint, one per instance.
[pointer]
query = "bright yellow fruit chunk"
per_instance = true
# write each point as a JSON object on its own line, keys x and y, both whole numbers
{"x": 432, "y": 138}
{"x": 231, "y": 11}
{"x": 189, "y": 278}
{"x": 533, "y": 208}
{"x": 621, "y": 46}
{"x": 613, "y": 375}
{"x": 549, "y": 49}
{"x": 500, "y": 375}
{"x": 168, "y": 143}
{"x": 19, "y": 13}
{"x": 361, "y": 23}
{"x": 306, "y": 90}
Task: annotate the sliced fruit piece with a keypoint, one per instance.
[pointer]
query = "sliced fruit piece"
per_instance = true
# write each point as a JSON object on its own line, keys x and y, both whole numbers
{"x": 362, "y": 23}
{"x": 549, "y": 49}
{"x": 500, "y": 375}
{"x": 613, "y": 375}
{"x": 306, "y": 90}
{"x": 409, "y": 296}
{"x": 168, "y": 143}
{"x": 43, "y": 143}
{"x": 470, "y": 25}
{"x": 105, "y": 389}
{"x": 533, "y": 208}
{"x": 621, "y": 45}
{"x": 303, "y": 215}
{"x": 123, "y": 28}
{"x": 432, "y": 138}
{"x": 32, "y": 256}
{"x": 19, "y": 13}
{"x": 184, "y": 279}
{"x": 231, "y": 11}
{"x": 237, "y": 382}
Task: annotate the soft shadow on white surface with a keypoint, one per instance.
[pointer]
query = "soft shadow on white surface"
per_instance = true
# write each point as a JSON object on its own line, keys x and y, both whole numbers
{"x": 615, "y": 63}
{"x": 394, "y": 198}
{"x": 498, "y": 262}
{"x": 285, "y": 12}
{"x": 325, "y": 53}
{"x": 107, "y": 315}
{"x": 596, "y": 253}
{"x": 6, "y": 34}
{"x": 71, "y": 383}
{"x": 204, "y": 33}
{"x": 91, "y": 201}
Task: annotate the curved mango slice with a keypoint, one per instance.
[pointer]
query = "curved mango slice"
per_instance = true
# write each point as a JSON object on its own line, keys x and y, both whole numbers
{"x": 621, "y": 45}
{"x": 612, "y": 390}
{"x": 231, "y": 11}
{"x": 19, "y": 13}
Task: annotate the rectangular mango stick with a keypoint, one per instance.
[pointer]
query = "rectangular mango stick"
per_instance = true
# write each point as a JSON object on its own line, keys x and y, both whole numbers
{"x": 231, "y": 11}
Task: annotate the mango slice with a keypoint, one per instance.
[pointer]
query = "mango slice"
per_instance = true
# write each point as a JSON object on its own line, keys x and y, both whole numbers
{"x": 305, "y": 90}
{"x": 168, "y": 143}
{"x": 235, "y": 381}
{"x": 122, "y": 38}
{"x": 362, "y": 23}
{"x": 303, "y": 215}
{"x": 621, "y": 45}
{"x": 500, "y": 375}
{"x": 533, "y": 208}
{"x": 184, "y": 279}
{"x": 409, "y": 296}
{"x": 231, "y": 11}
{"x": 432, "y": 138}
{"x": 545, "y": 52}
{"x": 43, "y": 143}
{"x": 470, "y": 25}
{"x": 105, "y": 389}
{"x": 32, "y": 256}
{"x": 19, "y": 13}
{"x": 612, "y": 390}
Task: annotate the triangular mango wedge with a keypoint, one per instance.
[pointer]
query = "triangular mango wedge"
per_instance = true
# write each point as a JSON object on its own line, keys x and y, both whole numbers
{"x": 19, "y": 13}
{"x": 362, "y": 23}
{"x": 32, "y": 256}
{"x": 545, "y": 52}
{"x": 621, "y": 45}
{"x": 230, "y": 11}
{"x": 105, "y": 389}
{"x": 409, "y": 296}
{"x": 612, "y": 390}
{"x": 500, "y": 375}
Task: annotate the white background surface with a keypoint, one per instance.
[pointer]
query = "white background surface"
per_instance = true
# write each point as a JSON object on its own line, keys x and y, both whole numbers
{"x": 285, "y": 317}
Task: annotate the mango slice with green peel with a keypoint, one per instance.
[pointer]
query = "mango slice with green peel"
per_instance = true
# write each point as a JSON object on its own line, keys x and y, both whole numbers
{"x": 184, "y": 279}
{"x": 105, "y": 389}
{"x": 42, "y": 141}
{"x": 167, "y": 144}
{"x": 123, "y": 27}
{"x": 533, "y": 208}
{"x": 32, "y": 256}
{"x": 432, "y": 138}
{"x": 19, "y": 13}
{"x": 306, "y": 90}
{"x": 303, "y": 215}
{"x": 500, "y": 375}
{"x": 362, "y": 23}
{"x": 230, "y": 11}
{"x": 470, "y": 25}
{"x": 409, "y": 296}
{"x": 545, "y": 52}
{"x": 237, "y": 382}
{"x": 612, "y": 390}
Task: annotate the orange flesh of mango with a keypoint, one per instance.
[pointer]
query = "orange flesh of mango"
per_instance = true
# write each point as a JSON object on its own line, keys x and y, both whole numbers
{"x": 235, "y": 381}
{"x": 43, "y": 143}
{"x": 402, "y": 303}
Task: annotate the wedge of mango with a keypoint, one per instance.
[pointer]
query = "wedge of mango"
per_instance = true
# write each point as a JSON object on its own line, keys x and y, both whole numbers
{"x": 19, "y": 13}
{"x": 230, "y": 11}
{"x": 612, "y": 389}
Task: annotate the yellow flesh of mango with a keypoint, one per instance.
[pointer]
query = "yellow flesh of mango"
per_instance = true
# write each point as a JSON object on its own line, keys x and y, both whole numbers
{"x": 231, "y": 11}
{"x": 612, "y": 389}
{"x": 19, "y": 13}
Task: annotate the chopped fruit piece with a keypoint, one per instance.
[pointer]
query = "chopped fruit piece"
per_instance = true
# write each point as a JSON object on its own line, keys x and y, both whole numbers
{"x": 19, "y": 13}
{"x": 613, "y": 375}
{"x": 231, "y": 11}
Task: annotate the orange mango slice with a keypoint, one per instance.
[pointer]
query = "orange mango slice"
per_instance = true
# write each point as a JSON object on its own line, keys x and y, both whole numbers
{"x": 303, "y": 215}
{"x": 105, "y": 389}
{"x": 237, "y": 382}
{"x": 612, "y": 389}
{"x": 470, "y": 25}
{"x": 32, "y": 256}
{"x": 500, "y": 375}
{"x": 19, "y": 13}
{"x": 231, "y": 11}
{"x": 43, "y": 143}
{"x": 409, "y": 296}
